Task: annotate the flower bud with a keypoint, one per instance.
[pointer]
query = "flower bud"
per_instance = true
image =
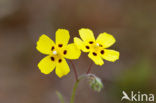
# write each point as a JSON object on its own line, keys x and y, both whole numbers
{"x": 95, "y": 82}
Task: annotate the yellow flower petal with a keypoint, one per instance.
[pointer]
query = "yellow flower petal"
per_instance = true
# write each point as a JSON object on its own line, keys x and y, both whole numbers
{"x": 46, "y": 65}
{"x": 111, "y": 55}
{"x": 72, "y": 52}
{"x": 44, "y": 44}
{"x": 62, "y": 36}
{"x": 86, "y": 35}
{"x": 62, "y": 68}
{"x": 105, "y": 39}
{"x": 80, "y": 44}
{"x": 97, "y": 59}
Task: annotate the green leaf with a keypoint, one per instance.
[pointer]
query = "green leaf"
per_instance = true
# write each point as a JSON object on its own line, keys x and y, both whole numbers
{"x": 60, "y": 96}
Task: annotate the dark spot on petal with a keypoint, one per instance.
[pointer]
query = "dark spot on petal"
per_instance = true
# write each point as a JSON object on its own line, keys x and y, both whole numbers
{"x": 94, "y": 54}
{"x": 60, "y": 60}
{"x": 53, "y": 48}
{"x": 52, "y": 58}
{"x": 91, "y": 42}
{"x": 87, "y": 47}
{"x": 60, "y": 45}
{"x": 100, "y": 45}
{"x": 102, "y": 51}
{"x": 65, "y": 52}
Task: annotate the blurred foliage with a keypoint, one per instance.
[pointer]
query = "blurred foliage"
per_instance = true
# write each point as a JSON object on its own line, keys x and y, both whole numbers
{"x": 60, "y": 96}
{"x": 136, "y": 77}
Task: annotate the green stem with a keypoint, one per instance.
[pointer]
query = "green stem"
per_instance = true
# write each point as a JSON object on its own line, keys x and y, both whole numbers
{"x": 74, "y": 91}
{"x": 75, "y": 87}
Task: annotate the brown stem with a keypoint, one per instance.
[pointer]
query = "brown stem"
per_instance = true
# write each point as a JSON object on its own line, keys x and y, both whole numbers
{"x": 75, "y": 72}
{"x": 90, "y": 66}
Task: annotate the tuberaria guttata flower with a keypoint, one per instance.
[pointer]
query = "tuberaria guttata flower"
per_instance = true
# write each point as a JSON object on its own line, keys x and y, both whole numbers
{"x": 56, "y": 53}
{"x": 97, "y": 48}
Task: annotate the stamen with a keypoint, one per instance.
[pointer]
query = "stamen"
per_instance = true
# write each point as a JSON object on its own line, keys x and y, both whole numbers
{"x": 55, "y": 52}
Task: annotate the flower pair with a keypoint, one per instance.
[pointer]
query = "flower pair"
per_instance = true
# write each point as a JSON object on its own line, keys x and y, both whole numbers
{"x": 58, "y": 51}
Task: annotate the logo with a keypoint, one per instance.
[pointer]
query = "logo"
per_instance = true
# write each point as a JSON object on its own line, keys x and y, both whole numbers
{"x": 137, "y": 96}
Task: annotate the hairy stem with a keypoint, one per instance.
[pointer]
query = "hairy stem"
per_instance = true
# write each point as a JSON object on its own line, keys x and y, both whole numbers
{"x": 78, "y": 80}
{"x": 75, "y": 72}
{"x": 75, "y": 87}
{"x": 74, "y": 91}
{"x": 90, "y": 67}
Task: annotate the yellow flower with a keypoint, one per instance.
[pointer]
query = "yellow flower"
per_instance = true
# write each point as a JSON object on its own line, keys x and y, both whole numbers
{"x": 56, "y": 53}
{"x": 97, "y": 48}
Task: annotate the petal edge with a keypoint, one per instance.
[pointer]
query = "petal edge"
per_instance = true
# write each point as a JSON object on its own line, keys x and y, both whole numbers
{"x": 86, "y": 34}
{"x": 62, "y": 36}
{"x": 72, "y": 52}
{"x": 80, "y": 44}
{"x": 44, "y": 44}
{"x": 110, "y": 55}
{"x": 105, "y": 39}
{"x": 46, "y": 66}
{"x": 62, "y": 68}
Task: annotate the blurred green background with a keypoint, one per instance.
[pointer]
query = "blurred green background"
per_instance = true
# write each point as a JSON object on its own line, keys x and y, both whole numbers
{"x": 131, "y": 22}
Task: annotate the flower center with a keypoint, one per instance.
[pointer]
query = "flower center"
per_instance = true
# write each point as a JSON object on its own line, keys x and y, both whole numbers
{"x": 97, "y": 44}
{"x": 55, "y": 52}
